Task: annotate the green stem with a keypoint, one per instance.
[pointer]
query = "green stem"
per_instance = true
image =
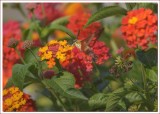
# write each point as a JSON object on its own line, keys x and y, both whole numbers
{"x": 139, "y": 88}
{"x": 40, "y": 66}
{"x": 51, "y": 90}
{"x": 17, "y": 51}
{"x": 114, "y": 46}
{"x": 76, "y": 106}
{"x": 56, "y": 96}
{"x": 148, "y": 99}
{"x": 59, "y": 66}
{"x": 33, "y": 55}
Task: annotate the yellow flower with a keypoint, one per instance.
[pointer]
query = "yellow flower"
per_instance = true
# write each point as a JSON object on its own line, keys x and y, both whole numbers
{"x": 5, "y": 92}
{"x": 23, "y": 101}
{"x": 14, "y": 90}
{"x": 52, "y": 42}
{"x": 16, "y": 105}
{"x": 15, "y": 99}
{"x": 48, "y": 55}
{"x": 63, "y": 43}
{"x": 8, "y": 102}
{"x": 43, "y": 49}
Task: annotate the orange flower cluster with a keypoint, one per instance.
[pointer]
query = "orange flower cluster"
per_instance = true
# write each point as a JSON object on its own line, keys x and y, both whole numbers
{"x": 76, "y": 23}
{"x": 15, "y": 100}
{"x": 54, "y": 50}
{"x": 78, "y": 7}
{"x": 139, "y": 27}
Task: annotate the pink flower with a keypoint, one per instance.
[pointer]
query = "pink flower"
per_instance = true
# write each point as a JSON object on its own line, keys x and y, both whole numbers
{"x": 46, "y": 12}
{"x": 120, "y": 50}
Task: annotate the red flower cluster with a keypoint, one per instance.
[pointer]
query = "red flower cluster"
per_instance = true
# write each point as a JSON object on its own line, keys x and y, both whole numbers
{"x": 44, "y": 11}
{"x": 11, "y": 29}
{"x": 100, "y": 51}
{"x": 16, "y": 100}
{"x": 76, "y": 23}
{"x": 90, "y": 49}
{"x": 139, "y": 28}
{"x": 80, "y": 64}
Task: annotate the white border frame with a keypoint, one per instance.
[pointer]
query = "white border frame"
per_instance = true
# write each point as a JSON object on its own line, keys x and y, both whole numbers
{"x": 70, "y": 1}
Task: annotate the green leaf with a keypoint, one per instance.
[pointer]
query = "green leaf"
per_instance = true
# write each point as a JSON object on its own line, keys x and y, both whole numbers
{"x": 112, "y": 102}
{"x": 136, "y": 72}
{"x": 64, "y": 85}
{"x": 152, "y": 6}
{"x": 113, "y": 99}
{"x": 134, "y": 97}
{"x": 149, "y": 58}
{"x": 9, "y": 83}
{"x": 130, "y": 6}
{"x": 60, "y": 21}
{"x": 152, "y": 75}
{"x": 29, "y": 58}
{"x": 106, "y": 12}
{"x": 122, "y": 104}
{"x": 19, "y": 72}
{"x": 98, "y": 100}
{"x": 62, "y": 28}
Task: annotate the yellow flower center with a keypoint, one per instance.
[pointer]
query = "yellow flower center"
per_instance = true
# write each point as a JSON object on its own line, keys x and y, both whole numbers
{"x": 133, "y": 20}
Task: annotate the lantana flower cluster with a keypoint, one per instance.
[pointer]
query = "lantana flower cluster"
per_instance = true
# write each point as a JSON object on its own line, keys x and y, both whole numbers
{"x": 89, "y": 35}
{"x": 54, "y": 50}
{"x": 16, "y": 100}
{"x": 78, "y": 59}
{"x": 11, "y": 29}
{"x": 77, "y": 22}
{"x": 80, "y": 64}
{"x": 139, "y": 27}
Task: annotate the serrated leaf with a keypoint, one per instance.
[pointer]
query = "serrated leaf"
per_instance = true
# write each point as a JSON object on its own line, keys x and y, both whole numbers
{"x": 112, "y": 102}
{"x": 98, "y": 100}
{"x": 122, "y": 104}
{"x": 113, "y": 99}
{"x": 133, "y": 97}
{"x": 60, "y": 21}
{"x": 62, "y": 28}
{"x": 106, "y": 12}
{"x": 19, "y": 72}
{"x": 64, "y": 85}
{"x": 149, "y": 58}
{"x": 130, "y": 6}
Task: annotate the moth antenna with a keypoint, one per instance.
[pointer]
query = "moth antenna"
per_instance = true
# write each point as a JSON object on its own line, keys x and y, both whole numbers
{"x": 97, "y": 35}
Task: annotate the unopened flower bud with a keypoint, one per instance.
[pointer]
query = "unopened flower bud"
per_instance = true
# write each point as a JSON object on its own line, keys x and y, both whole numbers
{"x": 48, "y": 74}
{"x": 31, "y": 6}
{"x": 12, "y": 43}
{"x": 27, "y": 44}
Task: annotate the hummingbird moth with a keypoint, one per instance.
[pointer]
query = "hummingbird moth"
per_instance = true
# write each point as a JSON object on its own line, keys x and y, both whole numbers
{"x": 86, "y": 44}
